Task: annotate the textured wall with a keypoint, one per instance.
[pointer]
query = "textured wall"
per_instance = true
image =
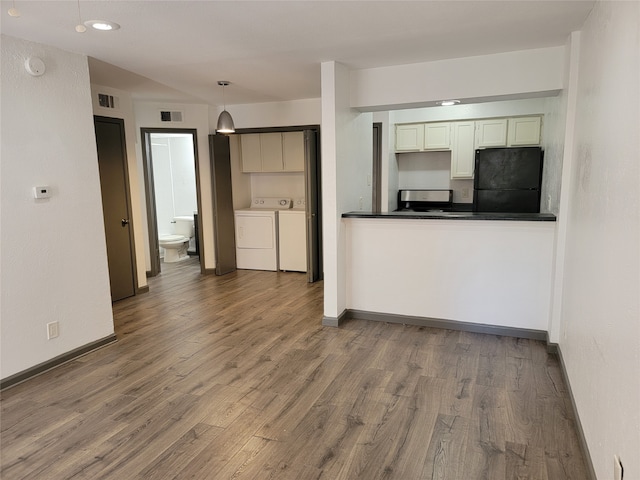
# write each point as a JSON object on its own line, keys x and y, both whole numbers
{"x": 600, "y": 330}
{"x": 124, "y": 110}
{"x": 54, "y": 263}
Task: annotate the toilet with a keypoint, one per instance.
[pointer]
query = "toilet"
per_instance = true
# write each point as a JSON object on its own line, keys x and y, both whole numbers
{"x": 175, "y": 245}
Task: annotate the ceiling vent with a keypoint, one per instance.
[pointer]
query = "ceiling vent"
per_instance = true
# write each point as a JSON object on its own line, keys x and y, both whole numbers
{"x": 108, "y": 101}
{"x": 166, "y": 116}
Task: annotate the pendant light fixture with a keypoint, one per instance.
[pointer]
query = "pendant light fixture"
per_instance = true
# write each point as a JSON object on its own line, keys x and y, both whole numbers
{"x": 13, "y": 11}
{"x": 225, "y": 122}
{"x": 80, "y": 28}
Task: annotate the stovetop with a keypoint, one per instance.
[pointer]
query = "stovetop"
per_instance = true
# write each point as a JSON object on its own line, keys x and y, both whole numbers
{"x": 425, "y": 201}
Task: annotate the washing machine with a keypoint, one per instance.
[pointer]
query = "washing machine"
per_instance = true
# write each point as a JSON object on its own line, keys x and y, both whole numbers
{"x": 292, "y": 237}
{"x": 257, "y": 233}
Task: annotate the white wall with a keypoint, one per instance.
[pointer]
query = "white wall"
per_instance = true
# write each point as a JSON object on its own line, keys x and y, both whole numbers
{"x": 54, "y": 257}
{"x": 124, "y": 110}
{"x": 194, "y": 116}
{"x": 561, "y": 146}
{"x": 600, "y": 332}
{"x": 289, "y": 185}
{"x": 272, "y": 114}
{"x": 347, "y": 159}
{"x": 483, "y": 272}
{"x": 522, "y": 74}
{"x": 470, "y": 111}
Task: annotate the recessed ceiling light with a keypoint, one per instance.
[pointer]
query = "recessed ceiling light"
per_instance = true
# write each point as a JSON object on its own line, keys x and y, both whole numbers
{"x": 103, "y": 25}
{"x": 448, "y": 103}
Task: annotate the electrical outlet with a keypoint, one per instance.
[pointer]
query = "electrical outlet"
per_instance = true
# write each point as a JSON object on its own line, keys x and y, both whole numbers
{"x": 53, "y": 330}
{"x": 465, "y": 193}
{"x": 618, "y": 471}
{"x": 361, "y": 203}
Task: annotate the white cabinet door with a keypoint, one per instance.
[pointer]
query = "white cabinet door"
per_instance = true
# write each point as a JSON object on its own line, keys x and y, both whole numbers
{"x": 250, "y": 152}
{"x": 409, "y": 138}
{"x": 271, "y": 147}
{"x": 462, "y": 150}
{"x": 437, "y": 136}
{"x": 293, "y": 151}
{"x": 524, "y": 131}
{"x": 491, "y": 133}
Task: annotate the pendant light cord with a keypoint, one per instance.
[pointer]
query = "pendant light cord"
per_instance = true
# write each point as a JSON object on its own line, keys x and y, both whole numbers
{"x": 80, "y": 28}
{"x": 13, "y": 11}
{"x": 224, "y": 102}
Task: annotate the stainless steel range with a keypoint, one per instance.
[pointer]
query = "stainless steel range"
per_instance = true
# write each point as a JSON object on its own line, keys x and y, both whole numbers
{"x": 425, "y": 201}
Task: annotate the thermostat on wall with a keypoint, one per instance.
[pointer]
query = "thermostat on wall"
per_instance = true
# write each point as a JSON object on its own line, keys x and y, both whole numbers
{"x": 42, "y": 192}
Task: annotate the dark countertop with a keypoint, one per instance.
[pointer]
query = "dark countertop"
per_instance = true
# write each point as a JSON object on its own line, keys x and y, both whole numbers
{"x": 459, "y": 215}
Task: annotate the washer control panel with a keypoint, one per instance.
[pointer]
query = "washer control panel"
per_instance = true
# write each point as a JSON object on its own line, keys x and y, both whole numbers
{"x": 272, "y": 203}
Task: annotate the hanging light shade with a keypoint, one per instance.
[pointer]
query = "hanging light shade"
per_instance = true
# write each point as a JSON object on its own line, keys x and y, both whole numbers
{"x": 225, "y": 122}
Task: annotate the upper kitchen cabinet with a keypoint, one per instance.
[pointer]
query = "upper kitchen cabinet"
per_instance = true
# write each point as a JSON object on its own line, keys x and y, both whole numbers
{"x": 462, "y": 150}
{"x": 491, "y": 133}
{"x": 271, "y": 148}
{"x": 293, "y": 151}
{"x": 409, "y": 138}
{"x": 524, "y": 131}
{"x": 272, "y": 152}
{"x": 437, "y": 136}
{"x": 251, "y": 152}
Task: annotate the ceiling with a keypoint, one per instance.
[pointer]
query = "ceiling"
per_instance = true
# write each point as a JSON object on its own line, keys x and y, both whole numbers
{"x": 272, "y": 50}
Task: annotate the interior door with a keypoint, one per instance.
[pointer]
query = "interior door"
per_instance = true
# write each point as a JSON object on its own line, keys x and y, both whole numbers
{"x": 312, "y": 175}
{"x": 376, "y": 200}
{"x": 112, "y": 163}
{"x": 223, "y": 221}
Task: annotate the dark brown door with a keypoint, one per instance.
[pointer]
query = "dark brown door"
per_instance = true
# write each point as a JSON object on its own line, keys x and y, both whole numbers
{"x": 112, "y": 162}
{"x": 312, "y": 190}
{"x": 223, "y": 214}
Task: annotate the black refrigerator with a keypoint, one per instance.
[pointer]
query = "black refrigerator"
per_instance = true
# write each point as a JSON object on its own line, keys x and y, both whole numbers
{"x": 507, "y": 180}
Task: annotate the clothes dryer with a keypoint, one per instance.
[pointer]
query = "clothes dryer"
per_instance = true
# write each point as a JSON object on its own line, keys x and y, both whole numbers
{"x": 292, "y": 238}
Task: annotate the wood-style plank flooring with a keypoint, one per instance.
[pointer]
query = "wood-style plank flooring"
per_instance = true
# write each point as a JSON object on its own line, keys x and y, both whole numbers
{"x": 234, "y": 377}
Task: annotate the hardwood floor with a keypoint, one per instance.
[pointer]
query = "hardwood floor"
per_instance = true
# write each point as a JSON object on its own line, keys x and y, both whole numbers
{"x": 234, "y": 377}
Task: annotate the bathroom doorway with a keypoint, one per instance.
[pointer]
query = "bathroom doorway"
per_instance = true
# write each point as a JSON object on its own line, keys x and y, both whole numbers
{"x": 170, "y": 158}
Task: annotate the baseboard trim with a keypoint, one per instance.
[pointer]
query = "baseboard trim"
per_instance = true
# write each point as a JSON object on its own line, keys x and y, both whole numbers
{"x": 552, "y": 348}
{"x": 581, "y": 437}
{"x": 449, "y": 324}
{"x": 209, "y": 271}
{"x": 141, "y": 290}
{"x": 36, "y": 370}
{"x": 335, "y": 321}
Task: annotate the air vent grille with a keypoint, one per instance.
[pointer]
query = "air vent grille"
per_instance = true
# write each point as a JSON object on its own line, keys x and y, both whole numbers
{"x": 107, "y": 101}
{"x": 168, "y": 116}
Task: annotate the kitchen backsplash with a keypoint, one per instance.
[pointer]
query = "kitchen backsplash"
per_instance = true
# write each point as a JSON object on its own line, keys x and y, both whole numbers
{"x": 428, "y": 170}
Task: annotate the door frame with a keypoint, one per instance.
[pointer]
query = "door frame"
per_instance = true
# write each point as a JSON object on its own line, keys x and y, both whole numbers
{"x": 376, "y": 200}
{"x": 150, "y": 197}
{"x": 127, "y": 188}
{"x": 315, "y": 189}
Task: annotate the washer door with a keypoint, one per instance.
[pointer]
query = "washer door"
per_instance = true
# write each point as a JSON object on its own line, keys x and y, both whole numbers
{"x": 255, "y": 231}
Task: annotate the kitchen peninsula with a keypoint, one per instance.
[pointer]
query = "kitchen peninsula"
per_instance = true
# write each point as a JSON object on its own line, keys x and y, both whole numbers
{"x": 484, "y": 272}
{"x": 461, "y": 215}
